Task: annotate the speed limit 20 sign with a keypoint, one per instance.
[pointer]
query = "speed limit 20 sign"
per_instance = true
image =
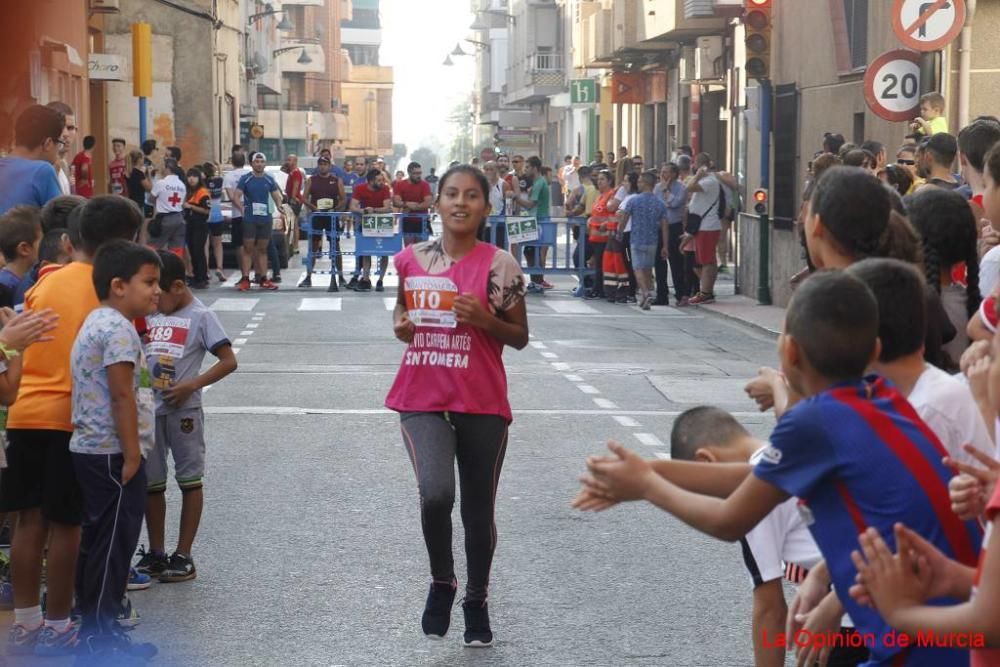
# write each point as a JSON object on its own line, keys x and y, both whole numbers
{"x": 892, "y": 85}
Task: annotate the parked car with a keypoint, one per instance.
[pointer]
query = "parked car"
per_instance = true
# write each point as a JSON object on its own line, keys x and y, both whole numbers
{"x": 285, "y": 237}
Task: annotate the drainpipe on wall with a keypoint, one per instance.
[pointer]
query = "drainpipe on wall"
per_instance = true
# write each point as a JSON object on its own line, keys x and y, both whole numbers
{"x": 965, "y": 65}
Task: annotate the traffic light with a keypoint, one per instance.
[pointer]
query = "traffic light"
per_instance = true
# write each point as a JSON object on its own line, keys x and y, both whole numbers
{"x": 760, "y": 201}
{"x": 758, "y": 41}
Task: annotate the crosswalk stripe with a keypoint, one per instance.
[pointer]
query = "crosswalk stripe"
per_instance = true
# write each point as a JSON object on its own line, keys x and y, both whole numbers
{"x": 234, "y": 305}
{"x": 570, "y": 307}
{"x": 390, "y": 302}
{"x": 321, "y": 303}
{"x": 649, "y": 440}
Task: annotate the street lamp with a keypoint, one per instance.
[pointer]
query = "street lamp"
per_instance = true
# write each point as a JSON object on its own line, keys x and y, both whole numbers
{"x": 284, "y": 24}
{"x": 447, "y": 61}
{"x": 303, "y": 59}
{"x": 480, "y": 24}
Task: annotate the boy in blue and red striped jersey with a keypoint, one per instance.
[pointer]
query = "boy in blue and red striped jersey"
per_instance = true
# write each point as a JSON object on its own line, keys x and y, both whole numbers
{"x": 854, "y": 452}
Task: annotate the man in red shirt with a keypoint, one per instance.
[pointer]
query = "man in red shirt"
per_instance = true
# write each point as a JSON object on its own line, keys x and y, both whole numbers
{"x": 372, "y": 196}
{"x": 83, "y": 168}
{"x": 117, "y": 184}
{"x": 413, "y": 195}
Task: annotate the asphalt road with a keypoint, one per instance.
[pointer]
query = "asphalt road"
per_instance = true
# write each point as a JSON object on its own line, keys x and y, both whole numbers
{"x": 310, "y": 551}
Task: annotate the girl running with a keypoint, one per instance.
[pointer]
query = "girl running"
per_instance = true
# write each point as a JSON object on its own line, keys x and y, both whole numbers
{"x": 460, "y": 302}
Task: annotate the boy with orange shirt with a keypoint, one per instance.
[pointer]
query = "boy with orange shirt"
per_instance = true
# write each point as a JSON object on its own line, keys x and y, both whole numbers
{"x": 40, "y": 482}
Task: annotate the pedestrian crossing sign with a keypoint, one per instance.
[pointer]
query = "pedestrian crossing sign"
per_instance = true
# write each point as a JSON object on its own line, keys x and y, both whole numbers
{"x": 522, "y": 229}
{"x": 381, "y": 226}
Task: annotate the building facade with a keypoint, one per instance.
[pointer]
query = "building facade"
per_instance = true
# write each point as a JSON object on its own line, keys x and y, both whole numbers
{"x": 367, "y": 86}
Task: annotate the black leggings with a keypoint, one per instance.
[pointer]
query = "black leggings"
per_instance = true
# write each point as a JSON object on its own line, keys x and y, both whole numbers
{"x": 434, "y": 441}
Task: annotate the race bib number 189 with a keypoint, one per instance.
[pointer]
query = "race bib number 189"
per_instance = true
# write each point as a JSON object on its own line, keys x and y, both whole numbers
{"x": 429, "y": 301}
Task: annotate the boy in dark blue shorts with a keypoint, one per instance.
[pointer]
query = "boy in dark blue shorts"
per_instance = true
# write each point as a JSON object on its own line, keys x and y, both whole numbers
{"x": 853, "y": 451}
{"x": 178, "y": 336}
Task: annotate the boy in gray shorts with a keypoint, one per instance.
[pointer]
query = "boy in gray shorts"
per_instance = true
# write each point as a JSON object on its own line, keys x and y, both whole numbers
{"x": 177, "y": 338}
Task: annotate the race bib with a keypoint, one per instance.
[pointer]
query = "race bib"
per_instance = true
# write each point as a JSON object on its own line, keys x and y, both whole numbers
{"x": 259, "y": 210}
{"x": 348, "y": 190}
{"x": 429, "y": 301}
{"x": 324, "y": 204}
{"x": 166, "y": 340}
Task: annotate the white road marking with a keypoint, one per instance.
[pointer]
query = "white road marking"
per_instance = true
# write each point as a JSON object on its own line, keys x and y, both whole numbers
{"x": 573, "y": 378}
{"x": 248, "y": 332}
{"x": 605, "y": 403}
{"x": 560, "y": 366}
{"x": 571, "y": 308}
{"x": 240, "y": 341}
{"x": 321, "y": 303}
{"x": 549, "y": 355}
{"x": 538, "y": 345}
{"x": 627, "y": 422}
{"x": 588, "y": 389}
{"x": 390, "y": 302}
{"x": 236, "y": 350}
{"x": 649, "y": 439}
{"x": 234, "y": 305}
{"x": 662, "y": 455}
{"x": 293, "y": 410}
{"x": 259, "y": 315}
{"x": 253, "y": 325}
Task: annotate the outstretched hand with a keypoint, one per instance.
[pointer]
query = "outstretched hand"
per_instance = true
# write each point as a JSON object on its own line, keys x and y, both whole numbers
{"x": 27, "y": 328}
{"x": 612, "y": 479}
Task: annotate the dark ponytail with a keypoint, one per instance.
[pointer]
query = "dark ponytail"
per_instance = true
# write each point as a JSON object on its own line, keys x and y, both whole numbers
{"x": 948, "y": 227}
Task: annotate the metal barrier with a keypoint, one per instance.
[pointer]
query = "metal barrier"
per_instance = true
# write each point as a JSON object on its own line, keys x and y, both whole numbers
{"x": 558, "y": 248}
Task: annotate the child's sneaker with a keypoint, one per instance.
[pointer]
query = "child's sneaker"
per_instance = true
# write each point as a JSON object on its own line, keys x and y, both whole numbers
{"x": 21, "y": 640}
{"x": 180, "y": 568}
{"x": 53, "y": 643}
{"x": 128, "y": 617}
{"x": 151, "y": 563}
{"x": 437, "y": 611}
{"x": 477, "y": 624}
{"x": 138, "y": 581}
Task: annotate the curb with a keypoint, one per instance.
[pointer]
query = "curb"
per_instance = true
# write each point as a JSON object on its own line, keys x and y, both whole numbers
{"x": 739, "y": 320}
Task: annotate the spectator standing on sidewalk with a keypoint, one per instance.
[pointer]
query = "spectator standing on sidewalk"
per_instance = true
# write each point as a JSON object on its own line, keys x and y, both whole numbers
{"x": 673, "y": 193}
{"x": 646, "y": 215}
{"x": 705, "y": 225}
{"x": 83, "y": 168}
{"x": 536, "y": 203}
{"x": 597, "y": 231}
{"x": 117, "y": 171}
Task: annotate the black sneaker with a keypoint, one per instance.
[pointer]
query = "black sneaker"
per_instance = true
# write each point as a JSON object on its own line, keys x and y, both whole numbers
{"x": 378, "y": 286}
{"x": 477, "y": 624}
{"x": 276, "y": 279}
{"x": 437, "y": 612}
{"x": 180, "y": 568}
{"x": 364, "y": 285}
{"x": 113, "y": 649}
{"x": 150, "y": 563}
{"x": 333, "y": 285}
{"x": 306, "y": 282}
{"x": 353, "y": 285}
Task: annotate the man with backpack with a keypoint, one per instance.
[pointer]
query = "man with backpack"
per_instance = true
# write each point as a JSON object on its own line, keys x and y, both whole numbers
{"x": 704, "y": 225}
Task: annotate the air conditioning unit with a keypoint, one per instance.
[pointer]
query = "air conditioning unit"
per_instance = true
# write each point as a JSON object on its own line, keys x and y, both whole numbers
{"x": 105, "y": 6}
{"x": 729, "y": 8}
{"x": 708, "y": 59}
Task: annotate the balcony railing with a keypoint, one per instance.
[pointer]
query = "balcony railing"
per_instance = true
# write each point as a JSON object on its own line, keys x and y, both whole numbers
{"x": 544, "y": 62}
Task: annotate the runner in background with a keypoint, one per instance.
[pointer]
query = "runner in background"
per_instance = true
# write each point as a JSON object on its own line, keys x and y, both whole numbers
{"x": 460, "y": 302}
{"x": 117, "y": 169}
{"x": 254, "y": 192}
{"x": 323, "y": 192}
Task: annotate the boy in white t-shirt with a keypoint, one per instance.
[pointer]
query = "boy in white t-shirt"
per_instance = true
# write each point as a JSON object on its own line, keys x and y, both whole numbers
{"x": 780, "y": 545}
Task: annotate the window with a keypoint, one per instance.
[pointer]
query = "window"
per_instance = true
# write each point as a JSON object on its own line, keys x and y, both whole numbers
{"x": 786, "y": 149}
{"x": 856, "y": 19}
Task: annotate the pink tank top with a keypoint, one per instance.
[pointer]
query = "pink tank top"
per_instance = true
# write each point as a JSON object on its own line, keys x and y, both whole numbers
{"x": 448, "y": 367}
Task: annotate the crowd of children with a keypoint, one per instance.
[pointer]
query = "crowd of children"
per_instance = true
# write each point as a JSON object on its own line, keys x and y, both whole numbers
{"x": 876, "y": 493}
{"x": 102, "y": 375}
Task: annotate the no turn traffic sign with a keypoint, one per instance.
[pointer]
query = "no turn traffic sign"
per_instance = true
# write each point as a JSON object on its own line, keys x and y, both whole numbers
{"x": 928, "y": 25}
{"x": 892, "y": 85}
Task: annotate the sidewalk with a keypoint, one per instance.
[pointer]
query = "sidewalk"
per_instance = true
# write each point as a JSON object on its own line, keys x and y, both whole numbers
{"x": 768, "y": 319}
